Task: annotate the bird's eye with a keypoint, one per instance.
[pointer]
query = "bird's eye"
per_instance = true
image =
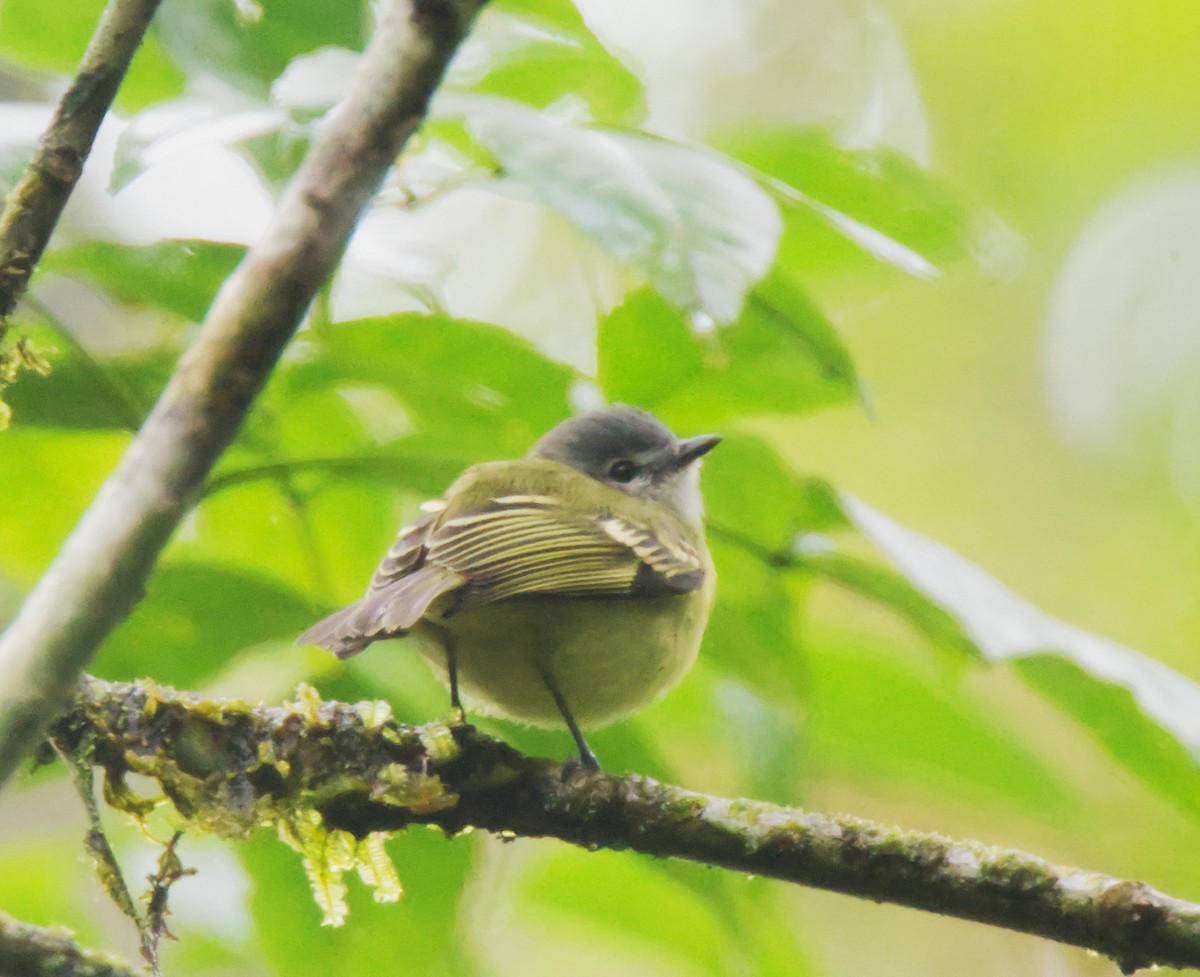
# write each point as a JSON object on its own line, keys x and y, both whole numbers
{"x": 622, "y": 471}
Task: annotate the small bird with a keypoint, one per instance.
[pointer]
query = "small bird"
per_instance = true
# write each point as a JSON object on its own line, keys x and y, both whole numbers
{"x": 573, "y": 584}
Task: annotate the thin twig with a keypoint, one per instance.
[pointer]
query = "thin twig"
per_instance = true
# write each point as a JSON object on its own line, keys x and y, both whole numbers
{"x": 96, "y": 841}
{"x": 101, "y": 570}
{"x": 230, "y": 768}
{"x": 169, "y": 871}
{"x": 37, "y": 201}
{"x": 152, "y": 924}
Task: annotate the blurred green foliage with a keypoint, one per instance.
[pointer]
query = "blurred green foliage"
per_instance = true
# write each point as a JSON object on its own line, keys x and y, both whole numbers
{"x": 847, "y": 658}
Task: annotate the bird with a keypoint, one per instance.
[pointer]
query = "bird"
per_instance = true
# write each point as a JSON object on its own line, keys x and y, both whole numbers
{"x": 569, "y": 586}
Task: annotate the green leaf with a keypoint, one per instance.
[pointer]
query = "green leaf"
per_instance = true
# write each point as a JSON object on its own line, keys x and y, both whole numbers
{"x": 195, "y": 618}
{"x": 540, "y": 52}
{"x": 844, "y": 207}
{"x": 249, "y": 45}
{"x": 893, "y": 590}
{"x": 627, "y": 903}
{"x": 653, "y": 916}
{"x": 180, "y": 276}
{"x": 878, "y": 718}
{"x": 751, "y": 633}
{"x": 646, "y": 350}
{"x": 47, "y": 478}
{"x": 753, "y": 500}
{"x": 26, "y": 41}
{"x": 317, "y": 538}
{"x": 426, "y": 472}
{"x": 696, "y": 226}
{"x": 1004, "y": 627}
{"x": 468, "y": 389}
{"x": 42, "y": 876}
{"x": 780, "y": 356}
{"x": 1111, "y": 715}
{"x": 90, "y": 393}
{"x": 659, "y": 916}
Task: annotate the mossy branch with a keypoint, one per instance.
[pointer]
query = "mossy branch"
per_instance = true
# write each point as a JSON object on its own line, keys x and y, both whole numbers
{"x": 232, "y": 768}
{"x": 34, "y": 205}
{"x": 33, "y": 951}
{"x": 101, "y": 570}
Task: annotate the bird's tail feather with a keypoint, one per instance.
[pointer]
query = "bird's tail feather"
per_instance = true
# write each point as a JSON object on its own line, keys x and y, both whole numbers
{"x": 336, "y": 633}
{"x": 385, "y": 613}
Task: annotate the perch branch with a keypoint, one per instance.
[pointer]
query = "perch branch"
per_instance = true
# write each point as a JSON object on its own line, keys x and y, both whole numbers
{"x": 32, "y": 951}
{"x": 230, "y": 768}
{"x": 102, "y": 567}
{"x": 34, "y": 205}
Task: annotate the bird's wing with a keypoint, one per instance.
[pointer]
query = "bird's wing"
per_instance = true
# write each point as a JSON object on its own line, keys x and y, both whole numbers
{"x": 407, "y": 553}
{"x": 531, "y": 545}
{"x": 512, "y": 546}
{"x": 400, "y": 593}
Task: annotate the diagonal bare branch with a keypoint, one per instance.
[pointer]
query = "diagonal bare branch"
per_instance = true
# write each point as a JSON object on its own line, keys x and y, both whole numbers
{"x": 102, "y": 567}
{"x": 231, "y": 768}
{"x": 34, "y": 205}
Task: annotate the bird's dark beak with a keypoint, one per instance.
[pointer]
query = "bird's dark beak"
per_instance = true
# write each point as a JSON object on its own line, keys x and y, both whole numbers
{"x": 688, "y": 450}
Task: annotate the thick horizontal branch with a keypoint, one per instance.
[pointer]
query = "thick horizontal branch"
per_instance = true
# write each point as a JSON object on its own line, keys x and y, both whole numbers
{"x": 37, "y": 201}
{"x": 31, "y": 951}
{"x": 230, "y": 768}
{"x": 101, "y": 570}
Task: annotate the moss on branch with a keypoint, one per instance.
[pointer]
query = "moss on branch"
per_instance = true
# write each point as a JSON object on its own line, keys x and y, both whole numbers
{"x": 231, "y": 768}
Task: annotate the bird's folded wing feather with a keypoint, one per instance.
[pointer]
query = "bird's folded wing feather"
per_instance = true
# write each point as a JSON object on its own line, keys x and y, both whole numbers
{"x": 513, "y": 546}
{"x": 524, "y": 545}
{"x": 407, "y": 553}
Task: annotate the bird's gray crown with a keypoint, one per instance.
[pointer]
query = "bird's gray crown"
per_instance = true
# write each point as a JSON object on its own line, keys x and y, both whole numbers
{"x": 591, "y": 442}
{"x": 634, "y": 452}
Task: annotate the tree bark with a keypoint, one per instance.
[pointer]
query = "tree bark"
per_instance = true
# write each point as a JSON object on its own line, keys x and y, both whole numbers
{"x": 230, "y": 768}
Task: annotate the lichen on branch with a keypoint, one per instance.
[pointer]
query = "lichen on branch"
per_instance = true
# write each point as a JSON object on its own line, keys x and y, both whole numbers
{"x": 315, "y": 767}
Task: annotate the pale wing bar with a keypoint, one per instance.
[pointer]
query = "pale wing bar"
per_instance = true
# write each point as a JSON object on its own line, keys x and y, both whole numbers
{"x": 529, "y": 544}
{"x": 531, "y": 549}
{"x": 406, "y": 553}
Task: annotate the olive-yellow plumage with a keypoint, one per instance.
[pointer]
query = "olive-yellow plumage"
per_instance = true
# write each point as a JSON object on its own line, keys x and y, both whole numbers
{"x": 573, "y": 584}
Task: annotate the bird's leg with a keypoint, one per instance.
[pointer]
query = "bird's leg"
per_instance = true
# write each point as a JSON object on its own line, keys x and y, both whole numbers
{"x": 452, "y": 673}
{"x": 586, "y": 756}
{"x": 451, "y": 667}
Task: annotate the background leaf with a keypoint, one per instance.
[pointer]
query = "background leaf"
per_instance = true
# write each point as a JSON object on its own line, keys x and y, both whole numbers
{"x": 26, "y": 41}
{"x": 876, "y": 189}
{"x": 542, "y": 52}
{"x": 248, "y": 47}
{"x": 178, "y": 276}
{"x": 780, "y": 355}
{"x": 1004, "y": 627}
{"x": 196, "y": 617}
{"x": 471, "y": 388}
{"x": 699, "y": 229}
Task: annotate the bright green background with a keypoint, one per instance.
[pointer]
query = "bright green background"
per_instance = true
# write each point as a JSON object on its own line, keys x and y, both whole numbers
{"x": 1037, "y": 117}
